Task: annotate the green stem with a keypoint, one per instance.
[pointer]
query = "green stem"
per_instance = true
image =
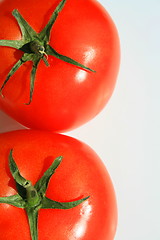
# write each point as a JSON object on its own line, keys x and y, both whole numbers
{"x": 32, "y": 214}
{"x": 36, "y": 47}
{"x": 32, "y": 198}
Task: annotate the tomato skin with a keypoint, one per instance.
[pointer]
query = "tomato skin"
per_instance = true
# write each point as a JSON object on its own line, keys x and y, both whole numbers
{"x": 65, "y": 97}
{"x": 80, "y": 174}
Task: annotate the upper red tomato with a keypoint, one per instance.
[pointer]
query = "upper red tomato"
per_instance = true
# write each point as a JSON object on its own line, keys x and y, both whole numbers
{"x": 80, "y": 174}
{"x": 65, "y": 96}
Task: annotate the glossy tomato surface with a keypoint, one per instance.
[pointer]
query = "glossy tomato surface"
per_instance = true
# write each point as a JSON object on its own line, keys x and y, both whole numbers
{"x": 65, "y": 96}
{"x": 80, "y": 174}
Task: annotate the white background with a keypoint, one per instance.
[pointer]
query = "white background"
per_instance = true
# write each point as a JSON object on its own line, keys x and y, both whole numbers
{"x": 126, "y": 133}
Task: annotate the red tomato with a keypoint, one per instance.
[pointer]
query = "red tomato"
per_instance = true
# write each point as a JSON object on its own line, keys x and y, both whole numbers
{"x": 80, "y": 174}
{"x": 65, "y": 96}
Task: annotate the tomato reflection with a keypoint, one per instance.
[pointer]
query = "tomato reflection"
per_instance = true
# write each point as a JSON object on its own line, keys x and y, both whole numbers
{"x": 81, "y": 226}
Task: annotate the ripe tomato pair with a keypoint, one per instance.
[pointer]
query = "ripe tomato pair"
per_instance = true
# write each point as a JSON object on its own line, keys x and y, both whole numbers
{"x": 58, "y": 69}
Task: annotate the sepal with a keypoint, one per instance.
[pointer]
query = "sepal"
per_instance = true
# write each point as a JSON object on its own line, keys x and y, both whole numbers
{"x": 50, "y": 204}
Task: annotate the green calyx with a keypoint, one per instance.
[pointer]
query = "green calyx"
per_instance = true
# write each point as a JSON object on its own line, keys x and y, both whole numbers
{"x": 32, "y": 198}
{"x": 35, "y": 47}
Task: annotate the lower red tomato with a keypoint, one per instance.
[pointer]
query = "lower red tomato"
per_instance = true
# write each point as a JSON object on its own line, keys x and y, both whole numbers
{"x": 81, "y": 176}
